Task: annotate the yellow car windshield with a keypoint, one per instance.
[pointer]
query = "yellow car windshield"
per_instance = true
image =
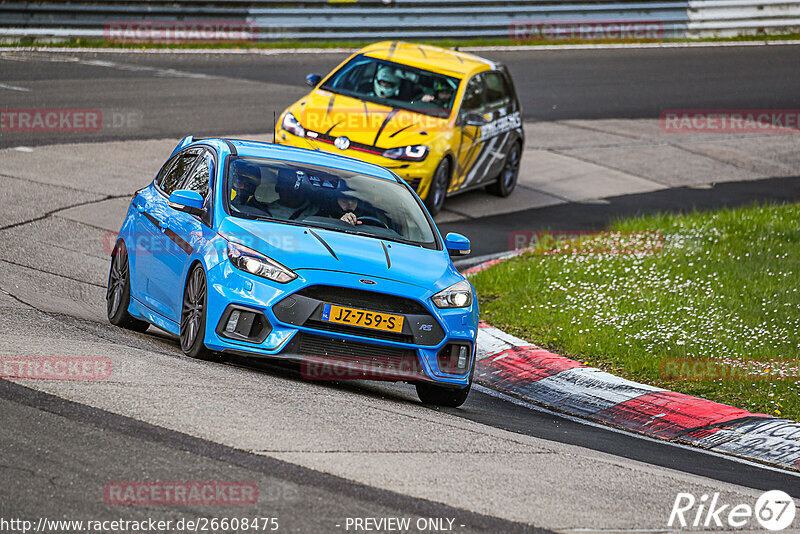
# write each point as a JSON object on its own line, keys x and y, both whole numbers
{"x": 395, "y": 85}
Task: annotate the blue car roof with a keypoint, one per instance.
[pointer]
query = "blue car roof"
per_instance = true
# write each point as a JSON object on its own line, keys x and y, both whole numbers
{"x": 260, "y": 149}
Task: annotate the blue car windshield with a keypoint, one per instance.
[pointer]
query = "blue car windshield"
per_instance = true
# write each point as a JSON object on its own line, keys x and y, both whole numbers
{"x": 395, "y": 85}
{"x": 265, "y": 189}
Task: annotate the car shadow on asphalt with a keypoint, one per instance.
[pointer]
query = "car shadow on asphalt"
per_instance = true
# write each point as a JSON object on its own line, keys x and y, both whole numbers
{"x": 291, "y": 370}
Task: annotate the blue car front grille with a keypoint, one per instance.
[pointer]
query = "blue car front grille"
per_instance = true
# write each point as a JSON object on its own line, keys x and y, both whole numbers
{"x": 313, "y": 345}
{"x": 356, "y": 331}
{"x": 304, "y": 308}
{"x": 359, "y": 298}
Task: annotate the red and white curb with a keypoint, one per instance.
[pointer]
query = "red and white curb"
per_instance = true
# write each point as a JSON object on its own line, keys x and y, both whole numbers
{"x": 511, "y": 365}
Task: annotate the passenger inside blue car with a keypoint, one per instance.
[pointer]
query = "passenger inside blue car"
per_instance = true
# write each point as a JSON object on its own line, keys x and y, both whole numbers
{"x": 293, "y": 203}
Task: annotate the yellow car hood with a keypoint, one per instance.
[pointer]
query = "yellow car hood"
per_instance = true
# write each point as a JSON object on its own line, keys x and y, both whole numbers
{"x": 365, "y": 123}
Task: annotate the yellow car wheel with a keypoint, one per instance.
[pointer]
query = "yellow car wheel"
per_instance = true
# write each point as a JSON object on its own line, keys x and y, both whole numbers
{"x": 438, "y": 188}
{"x": 507, "y": 179}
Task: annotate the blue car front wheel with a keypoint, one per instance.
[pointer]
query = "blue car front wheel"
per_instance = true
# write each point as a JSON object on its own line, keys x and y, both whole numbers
{"x": 442, "y": 395}
{"x": 193, "y": 315}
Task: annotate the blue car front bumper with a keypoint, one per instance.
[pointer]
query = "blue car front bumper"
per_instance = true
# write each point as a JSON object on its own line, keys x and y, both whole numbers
{"x": 293, "y": 328}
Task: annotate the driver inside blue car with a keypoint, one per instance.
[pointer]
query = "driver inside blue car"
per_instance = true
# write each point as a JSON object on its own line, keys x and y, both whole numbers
{"x": 345, "y": 208}
{"x": 344, "y": 204}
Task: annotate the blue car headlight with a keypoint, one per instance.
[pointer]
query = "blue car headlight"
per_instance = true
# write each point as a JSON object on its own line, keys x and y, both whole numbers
{"x": 255, "y": 263}
{"x": 412, "y": 153}
{"x": 292, "y": 125}
{"x": 459, "y": 295}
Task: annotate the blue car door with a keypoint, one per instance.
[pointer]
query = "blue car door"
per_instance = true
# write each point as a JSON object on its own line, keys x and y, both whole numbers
{"x": 156, "y": 264}
{"x": 188, "y": 232}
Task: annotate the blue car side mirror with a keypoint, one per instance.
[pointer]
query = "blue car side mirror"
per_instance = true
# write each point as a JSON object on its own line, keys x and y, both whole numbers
{"x": 456, "y": 244}
{"x": 187, "y": 201}
{"x": 313, "y": 79}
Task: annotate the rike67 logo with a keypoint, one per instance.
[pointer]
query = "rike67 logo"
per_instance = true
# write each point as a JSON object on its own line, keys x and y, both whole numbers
{"x": 774, "y": 510}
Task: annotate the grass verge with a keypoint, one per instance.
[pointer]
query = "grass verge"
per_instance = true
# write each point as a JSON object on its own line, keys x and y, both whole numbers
{"x": 703, "y": 303}
{"x": 298, "y": 44}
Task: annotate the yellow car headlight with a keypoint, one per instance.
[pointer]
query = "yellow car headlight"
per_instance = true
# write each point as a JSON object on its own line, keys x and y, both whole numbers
{"x": 292, "y": 125}
{"x": 410, "y": 153}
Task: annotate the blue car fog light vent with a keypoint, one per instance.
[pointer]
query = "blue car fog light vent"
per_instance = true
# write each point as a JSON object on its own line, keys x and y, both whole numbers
{"x": 454, "y": 358}
{"x": 233, "y": 321}
{"x": 243, "y": 324}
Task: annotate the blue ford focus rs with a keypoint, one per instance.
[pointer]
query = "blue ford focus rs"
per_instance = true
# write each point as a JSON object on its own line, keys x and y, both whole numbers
{"x": 249, "y": 248}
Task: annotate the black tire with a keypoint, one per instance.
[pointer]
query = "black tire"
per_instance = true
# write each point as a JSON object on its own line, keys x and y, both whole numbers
{"x": 438, "y": 189}
{"x": 193, "y": 315}
{"x": 442, "y": 396}
{"x": 118, "y": 292}
{"x": 507, "y": 180}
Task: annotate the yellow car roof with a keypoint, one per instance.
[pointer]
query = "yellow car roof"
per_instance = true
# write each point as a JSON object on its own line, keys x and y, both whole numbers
{"x": 427, "y": 57}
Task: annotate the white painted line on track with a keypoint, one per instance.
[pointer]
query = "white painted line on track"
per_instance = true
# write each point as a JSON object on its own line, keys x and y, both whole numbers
{"x": 615, "y": 530}
{"x": 531, "y": 406}
{"x": 503, "y": 48}
{"x": 613, "y": 46}
{"x": 204, "y": 51}
{"x": 156, "y": 71}
{"x": 14, "y": 88}
{"x": 167, "y": 73}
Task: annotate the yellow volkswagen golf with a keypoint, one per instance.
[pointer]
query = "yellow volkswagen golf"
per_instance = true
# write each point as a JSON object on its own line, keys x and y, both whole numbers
{"x": 445, "y": 121}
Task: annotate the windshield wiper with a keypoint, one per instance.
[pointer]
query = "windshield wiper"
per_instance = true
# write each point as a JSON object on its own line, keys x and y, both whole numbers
{"x": 393, "y": 239}
{"x": 335, "y": 228}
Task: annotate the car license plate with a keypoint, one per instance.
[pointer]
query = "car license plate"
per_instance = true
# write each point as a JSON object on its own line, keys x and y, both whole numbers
{"x": 362, "y": 318}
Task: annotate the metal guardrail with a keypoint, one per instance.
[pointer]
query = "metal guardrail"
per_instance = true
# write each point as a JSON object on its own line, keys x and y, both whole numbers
{"x": 403, "y": 19}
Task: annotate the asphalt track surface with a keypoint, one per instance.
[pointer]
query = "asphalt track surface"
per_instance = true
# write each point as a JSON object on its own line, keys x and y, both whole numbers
{"x": 53, "y": 448}
{"x": 209, "y": 94}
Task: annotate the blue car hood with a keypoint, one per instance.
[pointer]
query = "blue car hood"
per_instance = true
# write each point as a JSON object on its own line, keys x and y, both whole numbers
{"x": 298, "y": 249}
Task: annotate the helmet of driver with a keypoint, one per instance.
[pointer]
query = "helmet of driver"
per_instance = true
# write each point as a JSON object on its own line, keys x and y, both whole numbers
{"x": 387, "y": 82}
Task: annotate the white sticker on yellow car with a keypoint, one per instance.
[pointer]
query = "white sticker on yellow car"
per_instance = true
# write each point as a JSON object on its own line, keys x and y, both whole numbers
{"x": 501, "y": 125}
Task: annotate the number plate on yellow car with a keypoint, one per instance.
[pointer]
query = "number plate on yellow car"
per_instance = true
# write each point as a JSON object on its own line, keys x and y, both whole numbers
{"x": 362, "y": 318}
